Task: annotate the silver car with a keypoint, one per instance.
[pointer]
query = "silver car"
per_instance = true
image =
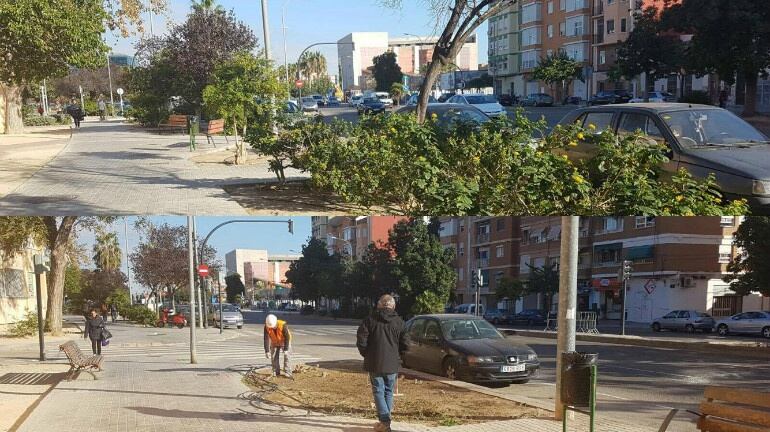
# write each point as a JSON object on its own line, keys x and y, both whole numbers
{"x": 687, "y": 320}
{"x": 745, "y": 322}
{"x": 231, "y": 316}
{"x": 309, "y": 104}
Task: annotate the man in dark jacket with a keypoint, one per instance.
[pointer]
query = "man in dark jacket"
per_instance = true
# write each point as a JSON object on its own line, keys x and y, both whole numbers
{"x": 380, "y": 340}
{"x": 93, "y": 331}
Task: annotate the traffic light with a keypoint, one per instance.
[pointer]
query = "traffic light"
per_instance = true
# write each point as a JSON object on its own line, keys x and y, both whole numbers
{"x": 627, "y": 269}
{"x": 291, "y": 226}
{"x": 473, "y": 280}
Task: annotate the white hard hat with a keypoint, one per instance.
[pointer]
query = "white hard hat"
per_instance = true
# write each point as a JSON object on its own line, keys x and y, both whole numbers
{"x": 271, "y": 321}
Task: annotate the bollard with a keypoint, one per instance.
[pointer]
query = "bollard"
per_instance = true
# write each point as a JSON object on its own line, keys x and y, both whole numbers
{"x": 194, "y": 127}
{"x": 578, "y": 390}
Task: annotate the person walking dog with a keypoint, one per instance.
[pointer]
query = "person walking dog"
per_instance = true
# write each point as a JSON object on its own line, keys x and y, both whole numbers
{"x": 96, "y": 331}
{"x": 381, "y": 338}
{"x": 277, "y": 337}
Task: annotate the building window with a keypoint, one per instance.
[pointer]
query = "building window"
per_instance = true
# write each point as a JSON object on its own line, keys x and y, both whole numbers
{"x": 550, "y": 7}
{"x": 602, "y": 57}
{"x": 500, "y": 224}
{"x": 550, "y": 31}
{"x": 460, "y": 273}
{"x": 610, "y": 26}
{"x": 611, "y": 224}
{"x": 461, "y": 249}
{"x": 498, "y": 277}
{"x": 562, "y": 28}
{"x": 525, "y": 237}
{"x": 622, "y": 25}
{"x": 724, "y": 258}
{"x": 608, "y": 255}
{"x": 500, "y": 251}
{"x": 644, "y": 222}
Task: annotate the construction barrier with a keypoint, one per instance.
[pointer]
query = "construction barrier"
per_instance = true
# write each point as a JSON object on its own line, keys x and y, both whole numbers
{"x": 586, "y": 322}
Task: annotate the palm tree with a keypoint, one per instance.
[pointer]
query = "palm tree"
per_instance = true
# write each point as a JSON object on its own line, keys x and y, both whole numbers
{"x": 312, "y": 64}
{"x": 397, "y": 91}
{"x": 107, "y": 253}
{"x": 207, "y": 6}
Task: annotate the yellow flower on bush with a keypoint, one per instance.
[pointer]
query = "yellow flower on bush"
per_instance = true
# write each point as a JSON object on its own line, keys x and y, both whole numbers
{"x": 573, "y": 143}
{"x": 591, "y": 126}
{"x": 679, "y": 198}
{"x": 393, "y": 130}
{"x": 476, "y": 159}
{"x": 578, "y": 178}
{"x": 434, "y": 116}
{"x": 581, "y": 136}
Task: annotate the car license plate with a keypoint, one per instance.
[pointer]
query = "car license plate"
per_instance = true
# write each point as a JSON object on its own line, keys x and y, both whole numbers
{"x": 514, "y": 368}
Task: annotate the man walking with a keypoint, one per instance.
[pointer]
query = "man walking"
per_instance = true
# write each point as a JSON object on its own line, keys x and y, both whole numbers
{"x": 102, "y": 109}
{"x": 380, "y": 340}
{"x": 277, "y": 337}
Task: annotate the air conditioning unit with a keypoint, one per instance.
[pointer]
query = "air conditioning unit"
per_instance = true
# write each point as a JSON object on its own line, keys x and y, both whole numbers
{"x": 687, "y": 282}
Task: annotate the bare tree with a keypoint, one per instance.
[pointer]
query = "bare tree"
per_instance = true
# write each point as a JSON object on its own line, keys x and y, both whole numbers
{"x": 459, "y": 19}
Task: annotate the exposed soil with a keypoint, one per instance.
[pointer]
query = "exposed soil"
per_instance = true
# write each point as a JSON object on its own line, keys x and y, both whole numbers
{"x": 227, "y": 157}
{"x": 291, "y": 198}
{"x": 342, "y": 388}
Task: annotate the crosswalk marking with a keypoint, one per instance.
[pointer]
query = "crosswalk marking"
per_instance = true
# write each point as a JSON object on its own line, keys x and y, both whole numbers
{"x": 324, "y": 331}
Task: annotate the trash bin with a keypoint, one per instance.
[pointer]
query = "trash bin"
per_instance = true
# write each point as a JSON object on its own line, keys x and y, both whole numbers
{"x": 576, "y": 378}
{"x": 193, "y": 126}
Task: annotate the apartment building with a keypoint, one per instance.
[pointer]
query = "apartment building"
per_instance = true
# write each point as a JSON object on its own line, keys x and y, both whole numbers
{"x": 355, "y": 53}
{"x": 505, "y": 51}
{"x": 415, "y": 52}
{"x": 488, "y": 244}
{"x": 351, "y": 235}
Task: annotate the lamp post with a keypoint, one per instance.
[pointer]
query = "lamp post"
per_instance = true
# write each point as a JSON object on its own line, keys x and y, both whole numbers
{"x": 285, "y": 55}
{"x": 266, "y": 28}
{"x": 206, "y": 239}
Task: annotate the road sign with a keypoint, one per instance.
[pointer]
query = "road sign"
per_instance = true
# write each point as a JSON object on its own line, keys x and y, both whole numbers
{"x": 119, "y": 91}
{"x": 299, "y": 84}
{"x": 203, "y": 270}
{"x": 650, "y": 286}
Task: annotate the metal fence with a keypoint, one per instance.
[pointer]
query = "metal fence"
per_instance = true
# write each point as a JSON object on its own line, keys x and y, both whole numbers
{"x": 586, "y": 322}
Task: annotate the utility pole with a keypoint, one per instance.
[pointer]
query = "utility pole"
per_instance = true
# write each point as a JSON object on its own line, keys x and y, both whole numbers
{"x": 125, "y": 242}
{"x": 285, "y": 55}
{"x": 478, "y": 282}
{"x": 198, "y": 279}
{"x": 266, "y": 28}
{"x": 565, "y": 341}
{"x": 191, "y": 277}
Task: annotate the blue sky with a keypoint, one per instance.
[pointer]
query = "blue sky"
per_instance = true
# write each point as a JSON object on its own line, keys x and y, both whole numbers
{"x": 311, "y": 21}
{"x": 274, "y": 237}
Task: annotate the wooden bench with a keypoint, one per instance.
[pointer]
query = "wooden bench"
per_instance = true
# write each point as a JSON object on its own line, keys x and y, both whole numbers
{"x": 214, "y": 127}
{"x": 79, "y": 361}
{"x": 175, "y": 121}
{"x": 726, "y": 409}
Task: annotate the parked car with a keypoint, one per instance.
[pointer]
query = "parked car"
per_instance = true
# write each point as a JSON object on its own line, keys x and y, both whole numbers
{"x": 385, "y": 98}
{"x": 450, "y": 114}
{"x": 686, "y": 320}
{"x": 506, "y": 100}
{"x": 231, "y": 316}
{"x": 496, "y": 316}
{"x": 445, "y": 97}
{"x": 469, "y": 309}
{"x": 319, "y": 99}
{"x": 371, "y": 105}
{"x": 291, "y": 307}
{"x": 467, "y": 348}
{"x": 415, "y": 97}
{"x": 745, "y": 322}
{"x": 309, "y": 103}
{"x": 356, "y": 100}
{"x": 701, "y": 139}
{"x": 573, "y": 100}
{"x": 529, "y": 317}
{"x": 486, "y": 103}
{"x": 610, "y": 97}
{"x": 655, "y": 96}
{"x": 538, "y": 99}
{"x": 333, "y": 101}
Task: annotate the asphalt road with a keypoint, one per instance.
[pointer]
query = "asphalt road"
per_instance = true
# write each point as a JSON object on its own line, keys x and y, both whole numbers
{"x": 637, "y": 385}
{"x": 552, "y": 115}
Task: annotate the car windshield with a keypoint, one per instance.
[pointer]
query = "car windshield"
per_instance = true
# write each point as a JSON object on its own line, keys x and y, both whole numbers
{"x": 453, "y": 116}
{"x": 480, "y": 99}
{"x": 711, "y": 127}
{"x": 308, "y": 99}
{"x": 466, "y": 329}
{"x": 371, "y": 100}
{"x": 229, "y": 308}
{"x": 382, "y": 96}
{"x": 704, "y": 315}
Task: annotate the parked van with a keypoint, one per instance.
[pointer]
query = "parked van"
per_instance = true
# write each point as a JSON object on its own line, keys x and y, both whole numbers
{"x": 469, "y": 309}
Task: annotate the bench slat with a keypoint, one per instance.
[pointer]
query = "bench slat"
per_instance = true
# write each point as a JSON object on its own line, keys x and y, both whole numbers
{"x": 746, "y": 397}
{"x": 740, "y": 414}
{"x": 711, "y": 424}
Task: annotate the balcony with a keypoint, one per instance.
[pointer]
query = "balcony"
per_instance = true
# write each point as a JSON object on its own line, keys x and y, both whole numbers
{"x": 598, "y": 9}
{"x": 482, "y": 263}
{"x": 482, "y": 238}
{"x": 599, "y": 38}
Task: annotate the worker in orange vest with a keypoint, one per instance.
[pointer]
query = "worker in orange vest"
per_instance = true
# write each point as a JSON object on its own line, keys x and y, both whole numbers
{"x": 277, "y": 338}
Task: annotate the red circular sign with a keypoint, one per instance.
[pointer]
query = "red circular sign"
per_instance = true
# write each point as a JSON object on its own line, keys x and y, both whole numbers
{"x": 203, "y": 270}
{"x": 299, "y": 83}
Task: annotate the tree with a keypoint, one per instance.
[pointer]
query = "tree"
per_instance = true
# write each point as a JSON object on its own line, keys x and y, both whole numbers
{"x": 206, "y": 6}
{"x": 422, "y": 268}
{"x": 386, "y": 71}
{"x": 397, "y": 91}
{"x": 73, "y": 286}
{"x": 107, "y": 253}
{"x": 558, "y": 68}
{"x": 95, "y": 82}
{"x": 243, "y": 90}
{"x": 234, "y": 287}
{"x": 150, "y": 88}
{"x": 729, "y": 37}
{"x": 511, "y": 289}
{"x": 748, "y": 271}
{"x": 378, "y": 261}
{"x": 460, "y": 19}
{"x": 99, "y": 285}
{"x": 316, "y": 274}
{"x": 312, "y": 65}
{"x": 649, "y": 50}
{"x": 544, "y": 280}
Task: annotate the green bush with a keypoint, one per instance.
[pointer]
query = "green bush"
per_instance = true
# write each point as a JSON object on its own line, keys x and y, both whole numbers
{"x": 91, "y": 107}
{"x": 56, "y": 119}
{"x": 394, "y": 163}
{"x": 25, "y": 327}
{"x": 696, "y": 97}
{"x": 29, "y": 111}
{"x": 140, "y": 315}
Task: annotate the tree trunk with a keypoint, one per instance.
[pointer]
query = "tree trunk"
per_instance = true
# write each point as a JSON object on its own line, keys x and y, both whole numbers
{"x": 11, "y": 121}
{"x": 244, "y": 154}
{"x": 750, "y": 106}
{"x": 58, "y": 242}
{"x": 238, "y": 145}
{"x": 434, "y": 70}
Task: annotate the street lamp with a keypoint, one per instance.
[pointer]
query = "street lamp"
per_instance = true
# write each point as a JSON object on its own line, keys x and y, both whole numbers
{"x": 285, "y": 55}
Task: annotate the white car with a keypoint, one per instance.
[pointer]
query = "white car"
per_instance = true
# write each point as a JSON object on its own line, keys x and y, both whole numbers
{"x": 385, "y": 98}
{"x": 309, "y": 104}
{"x": 486, "y": 103}
{"x": 745, "y": 322}
{"x": 656, "y": 97}
{"x": 356, "y": 100}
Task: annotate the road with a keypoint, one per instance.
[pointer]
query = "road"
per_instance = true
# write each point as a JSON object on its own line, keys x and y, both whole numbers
{"x": 636, "y": 384}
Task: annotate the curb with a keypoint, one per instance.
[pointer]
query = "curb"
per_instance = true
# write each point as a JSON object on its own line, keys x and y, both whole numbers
{"x": 758, "y": 352}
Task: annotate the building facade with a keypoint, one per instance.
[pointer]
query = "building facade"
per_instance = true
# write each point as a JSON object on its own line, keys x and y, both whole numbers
{"x": 355, "y": 53}
{"x": 352, "y": 235}
{"x": 235, "y": 260}
{"x": 17, "y": 287}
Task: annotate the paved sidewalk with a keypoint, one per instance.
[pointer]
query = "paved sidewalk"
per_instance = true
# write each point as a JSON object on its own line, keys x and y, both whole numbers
{"x": 22, "y": 155}
{"x": 118, "y": 169}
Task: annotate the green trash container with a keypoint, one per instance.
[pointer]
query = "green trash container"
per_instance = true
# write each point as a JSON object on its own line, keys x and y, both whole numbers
{"x": 193, "y": 125}
{"x": 577, "y": 383}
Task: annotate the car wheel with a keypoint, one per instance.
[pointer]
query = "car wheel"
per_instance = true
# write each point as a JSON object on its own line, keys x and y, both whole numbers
{"x": 689, "y": 328}
{"x": 766, "y": 332}
{"x": 450, "y": 368}
{"x": 656, "y": 327}
{"x": 180, "y": 325}
{"x": 723, "y": 330}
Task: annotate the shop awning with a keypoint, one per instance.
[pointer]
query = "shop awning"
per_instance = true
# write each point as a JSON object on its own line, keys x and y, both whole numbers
{"x": 605, "y": 284}
{"x": 609, "y": 247}
{"x": 639, "y": 252}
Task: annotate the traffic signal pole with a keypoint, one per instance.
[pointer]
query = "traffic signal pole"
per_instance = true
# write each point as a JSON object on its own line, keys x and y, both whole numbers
{"x": 191, "y": 275}
{"x": 626, "y": 275}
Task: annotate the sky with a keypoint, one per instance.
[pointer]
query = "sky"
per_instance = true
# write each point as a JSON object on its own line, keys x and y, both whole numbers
{"x": 312, "y": 21}
{"x": 274, "y": 237}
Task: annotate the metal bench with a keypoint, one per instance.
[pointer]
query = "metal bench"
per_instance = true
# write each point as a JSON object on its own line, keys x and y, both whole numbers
{"x": 175, "y": 121}
{"x": 214, "y": 127}
{"x": 726, "y": 409}
{"x": 79, "y": 361}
